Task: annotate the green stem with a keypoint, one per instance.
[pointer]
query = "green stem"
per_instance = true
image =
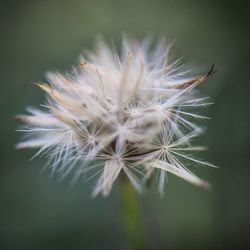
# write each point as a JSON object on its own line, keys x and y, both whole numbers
{"x": 132, "y": 226}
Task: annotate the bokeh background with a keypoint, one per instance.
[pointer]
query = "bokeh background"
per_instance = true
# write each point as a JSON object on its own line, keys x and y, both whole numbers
{"x": 37, "y": 212}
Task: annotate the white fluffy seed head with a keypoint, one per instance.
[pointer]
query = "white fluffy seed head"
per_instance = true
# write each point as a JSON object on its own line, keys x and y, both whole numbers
{"x": 130, "y": 112}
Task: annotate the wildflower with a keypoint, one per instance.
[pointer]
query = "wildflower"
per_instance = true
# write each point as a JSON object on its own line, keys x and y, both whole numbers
{"x": 130, "y": 113}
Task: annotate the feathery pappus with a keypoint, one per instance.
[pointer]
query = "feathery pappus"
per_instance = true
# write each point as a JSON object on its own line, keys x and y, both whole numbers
{"x": 131, "y": 113}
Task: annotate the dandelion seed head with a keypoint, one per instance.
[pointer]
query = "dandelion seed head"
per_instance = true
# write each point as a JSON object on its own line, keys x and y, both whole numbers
{"x": 131, "y": 112}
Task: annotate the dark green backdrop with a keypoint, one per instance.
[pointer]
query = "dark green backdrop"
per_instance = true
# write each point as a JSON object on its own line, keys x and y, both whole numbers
{"x": 37, "y": 212}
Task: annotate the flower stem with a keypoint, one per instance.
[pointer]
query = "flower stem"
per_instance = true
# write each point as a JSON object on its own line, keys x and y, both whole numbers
{"x": 131, "y": 217}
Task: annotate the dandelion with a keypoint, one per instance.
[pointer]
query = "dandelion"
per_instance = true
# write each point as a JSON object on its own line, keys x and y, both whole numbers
{"x": 131, "y": 113}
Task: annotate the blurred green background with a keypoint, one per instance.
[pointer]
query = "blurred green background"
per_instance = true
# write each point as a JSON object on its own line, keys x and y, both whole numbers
{"x": 37, "y": 212}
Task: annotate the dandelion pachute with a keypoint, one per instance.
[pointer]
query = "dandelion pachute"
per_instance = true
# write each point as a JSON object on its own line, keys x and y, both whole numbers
{"x": 132, "y": 112}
